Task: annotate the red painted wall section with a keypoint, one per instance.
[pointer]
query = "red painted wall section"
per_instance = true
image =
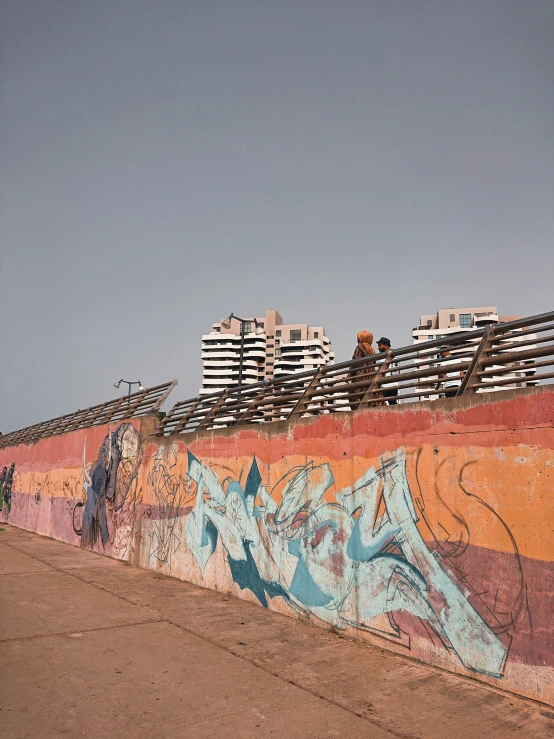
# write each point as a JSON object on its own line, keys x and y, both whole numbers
{"x": 426, "y": 529}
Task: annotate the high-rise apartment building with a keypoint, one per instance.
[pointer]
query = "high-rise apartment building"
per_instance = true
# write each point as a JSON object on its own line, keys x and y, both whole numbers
{"x": 448, "y": 322}
{"x": 271, "y": 349}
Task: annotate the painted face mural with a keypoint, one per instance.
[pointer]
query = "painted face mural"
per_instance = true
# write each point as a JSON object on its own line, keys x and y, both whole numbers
{"x": 107, "y": 483}
{"x": 355, "y": 559}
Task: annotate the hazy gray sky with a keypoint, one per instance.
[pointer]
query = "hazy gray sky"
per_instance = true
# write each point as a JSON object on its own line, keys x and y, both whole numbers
{"x": 354, "y": 164}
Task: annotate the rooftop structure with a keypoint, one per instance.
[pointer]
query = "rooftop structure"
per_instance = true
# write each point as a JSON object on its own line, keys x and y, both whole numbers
{"x": 449, "y": 322}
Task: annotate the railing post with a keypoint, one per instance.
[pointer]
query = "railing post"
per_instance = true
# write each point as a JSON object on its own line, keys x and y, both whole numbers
{"x": 251, "y": 408}
{"x": 213, "y": 410}
{"x": 476, "y": 363}
{"x": 373, "y": 389}
{"x": 308, "y": 393}
{"x": 136, "y": 402}
{"x": 184, "y": 420}
{"x": 102, "y": 411}
{"x": 163, "y": 397}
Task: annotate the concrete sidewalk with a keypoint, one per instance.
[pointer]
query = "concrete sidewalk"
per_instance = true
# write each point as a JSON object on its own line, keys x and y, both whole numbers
{"x": 91, "y": 647}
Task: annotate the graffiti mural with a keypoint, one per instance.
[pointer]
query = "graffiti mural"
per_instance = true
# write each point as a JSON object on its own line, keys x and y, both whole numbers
{"x": 110, "y": 485}
{"x": 356, "y": 560}
{"x": 6, "y": 484}
{"x": 427, "y": 533}
{"x": 171, "y": 492}
{"x": 3, "y": 476}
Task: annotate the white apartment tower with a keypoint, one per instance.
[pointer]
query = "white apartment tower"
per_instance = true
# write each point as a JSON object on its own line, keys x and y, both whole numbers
{"x": 271, "y": 349}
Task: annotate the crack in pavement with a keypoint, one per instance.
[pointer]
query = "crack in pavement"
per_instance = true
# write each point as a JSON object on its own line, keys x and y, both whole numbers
{"x": 81, "y": 631}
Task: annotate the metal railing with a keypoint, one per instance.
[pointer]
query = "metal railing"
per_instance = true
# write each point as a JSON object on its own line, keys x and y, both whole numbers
{"x": 141, "y": 403}
{"x": 498, "y": 357}
{"x": 501, "y": 356}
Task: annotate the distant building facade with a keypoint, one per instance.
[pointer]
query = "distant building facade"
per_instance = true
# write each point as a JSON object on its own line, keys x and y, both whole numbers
{"x": 271, "y": 349}
{"x": 448, "y": 322}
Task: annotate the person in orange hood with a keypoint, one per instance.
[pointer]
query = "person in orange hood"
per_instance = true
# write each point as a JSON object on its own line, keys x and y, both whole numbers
{"x": 363, "y": 349}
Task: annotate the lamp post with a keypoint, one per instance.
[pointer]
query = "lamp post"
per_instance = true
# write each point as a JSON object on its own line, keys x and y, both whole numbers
{"x": 226, "y": 323}
{"x": 129, "y": 384}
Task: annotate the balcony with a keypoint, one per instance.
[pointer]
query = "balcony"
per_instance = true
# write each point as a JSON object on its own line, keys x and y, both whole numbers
{"x": 233, "y": 355}
{"x": 233, "y": 346}
{"x": 301, "y": 353}
{"x": 229, "y": 372}
{"x": 228, "y": 381}
{"x": 288, "y": 370}
{"x": 247, "y": 362}
{"x": 233, "y": 341}
{"x": 304, "y": 342}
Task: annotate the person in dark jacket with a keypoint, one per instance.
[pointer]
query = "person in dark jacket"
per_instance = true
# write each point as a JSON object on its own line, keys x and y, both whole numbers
{"x": 389, "y": 393}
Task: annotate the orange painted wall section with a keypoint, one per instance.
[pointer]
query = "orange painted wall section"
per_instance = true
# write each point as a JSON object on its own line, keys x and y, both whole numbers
{"x": 425, "y": 529}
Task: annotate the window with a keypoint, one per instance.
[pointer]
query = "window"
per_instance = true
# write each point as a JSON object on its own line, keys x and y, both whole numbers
{"x": 316, "y": 334}
{"x": 217, "y": 329}
{"x": 270, "y": 354}
{"x": 269, "y": 364}
{"x": 465, "y": 320}
{"x": 269, "y": 337}
{"x": 277, "y": 342}
{"x": 277, "y": 352}
{"x": 277, "y": 333}
{"x": 247, "y": 327}
{"x": 452, "y": 317}
{"x": 295, "y": 335}
{"x": 429, "y": 337}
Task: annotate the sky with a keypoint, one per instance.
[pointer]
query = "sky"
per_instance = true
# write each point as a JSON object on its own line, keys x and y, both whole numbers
{"x": 351, "y": 164}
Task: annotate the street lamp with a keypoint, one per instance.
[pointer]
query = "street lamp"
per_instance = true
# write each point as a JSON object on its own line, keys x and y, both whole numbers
{"x": 139, "y": 383}
{"x": 226, "y": 323}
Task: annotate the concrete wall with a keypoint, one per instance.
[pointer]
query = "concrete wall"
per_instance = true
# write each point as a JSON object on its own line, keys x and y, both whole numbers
{"x": 425, "y": 529}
